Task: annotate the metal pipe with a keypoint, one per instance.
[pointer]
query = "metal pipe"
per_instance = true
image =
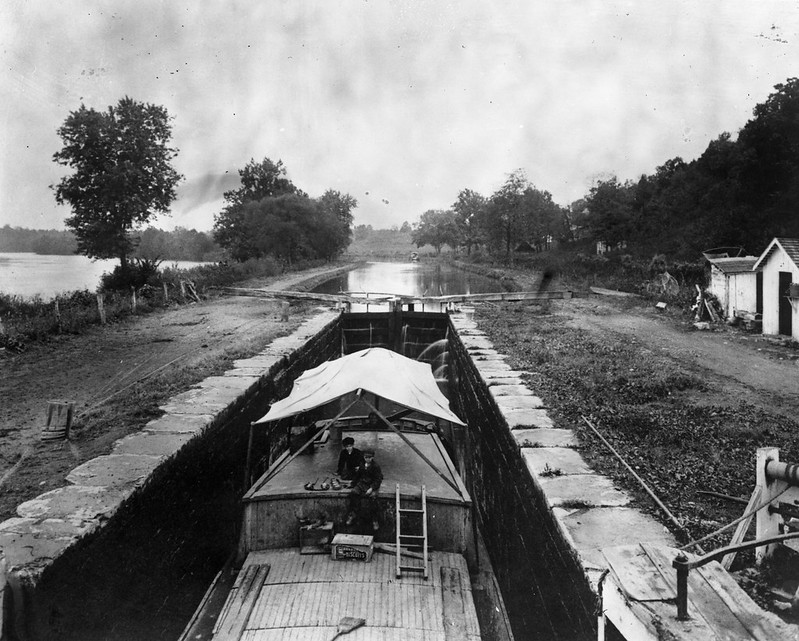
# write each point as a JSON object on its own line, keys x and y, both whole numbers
{"x": 681, "y": 563}
{"x": 778, "y": 471}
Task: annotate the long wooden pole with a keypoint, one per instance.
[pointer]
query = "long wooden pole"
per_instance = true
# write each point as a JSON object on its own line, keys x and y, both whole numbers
{"x": 643, "y": 484}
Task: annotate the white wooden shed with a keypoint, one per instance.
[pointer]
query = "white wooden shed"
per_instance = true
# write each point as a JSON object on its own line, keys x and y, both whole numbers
{"x": 734, "y": 283}
{"x": 779, "y": 264}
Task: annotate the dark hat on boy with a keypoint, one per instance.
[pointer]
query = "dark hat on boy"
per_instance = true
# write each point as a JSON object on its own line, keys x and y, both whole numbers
{"x": 348, "y": 440}
{"x": 370, "y": 453}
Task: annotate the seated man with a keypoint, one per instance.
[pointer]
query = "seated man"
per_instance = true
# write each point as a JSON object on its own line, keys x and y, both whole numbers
{"x": 349, "y": 460}
{"x": 365, "y": 489}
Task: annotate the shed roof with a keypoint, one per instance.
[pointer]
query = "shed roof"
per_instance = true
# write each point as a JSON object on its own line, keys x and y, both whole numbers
{"x": 735, "y": 265}
{"x": 788, "y": 245}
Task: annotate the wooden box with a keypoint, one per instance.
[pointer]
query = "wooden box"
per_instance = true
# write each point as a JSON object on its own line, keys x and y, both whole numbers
{"x": 316, "y": 537}
{"x": 355, "y": 547}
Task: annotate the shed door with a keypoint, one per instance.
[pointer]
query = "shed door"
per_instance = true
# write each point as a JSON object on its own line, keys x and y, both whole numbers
{"x": 759, "y": 293}
{"x": 785, "y": 309}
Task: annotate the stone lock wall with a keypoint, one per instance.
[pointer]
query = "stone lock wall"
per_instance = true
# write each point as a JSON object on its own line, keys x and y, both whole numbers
{"x": 544, "y": 531}
{"x": 69, "y": 546}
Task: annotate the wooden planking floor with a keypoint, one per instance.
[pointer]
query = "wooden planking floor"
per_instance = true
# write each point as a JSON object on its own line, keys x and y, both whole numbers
{"x": 305, "y": 596}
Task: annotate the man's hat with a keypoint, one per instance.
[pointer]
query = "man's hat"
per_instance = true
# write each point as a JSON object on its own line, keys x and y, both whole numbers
{"x": 348, "y": 441}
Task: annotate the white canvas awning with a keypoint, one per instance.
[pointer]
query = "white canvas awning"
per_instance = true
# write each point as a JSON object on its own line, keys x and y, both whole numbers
{"x": 376, "y": 370}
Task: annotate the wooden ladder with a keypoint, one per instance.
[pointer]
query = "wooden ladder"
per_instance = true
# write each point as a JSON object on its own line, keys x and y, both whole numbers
{"x": 412, "y": 541}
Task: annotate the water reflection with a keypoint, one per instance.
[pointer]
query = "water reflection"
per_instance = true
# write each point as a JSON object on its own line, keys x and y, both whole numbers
{"x": 409, "y": 279}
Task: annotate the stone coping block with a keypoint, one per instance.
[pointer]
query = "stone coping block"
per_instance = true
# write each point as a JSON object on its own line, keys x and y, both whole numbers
{"x": 514, "y": 403}
{"x": 26, "y": 541}
{"x": 488, "y": 355}
{"x": 74, "y": 503}
{"x": 565, "y": 459}
{"x": 589, "y": 530}
{"x": 114, "y": 470}
{"x": 261, "y": 362}
{"x": 489, "y": 367}
{"x": 527, "y": 418}
{"x": 593, "y": 490}
{"x": 202, "y": 401}
{"x": 254, "y": 372}
{"x": 474, "y": 342}
{"x": 180, "y": 423}
{"x": 510, "y": 390}
{"x": 242, "y": 384}
{"x": 161, "y": 444}
{"x": 501, "y": 379}
{"x": 545, "y": 437}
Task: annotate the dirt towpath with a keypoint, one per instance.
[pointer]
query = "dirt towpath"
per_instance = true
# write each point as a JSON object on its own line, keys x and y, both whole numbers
{"x": 736, "y": 365}
{"x": 118, "y": 374}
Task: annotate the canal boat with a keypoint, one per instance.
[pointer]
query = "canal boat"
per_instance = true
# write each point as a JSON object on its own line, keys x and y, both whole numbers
{"x": 304, "y": 569}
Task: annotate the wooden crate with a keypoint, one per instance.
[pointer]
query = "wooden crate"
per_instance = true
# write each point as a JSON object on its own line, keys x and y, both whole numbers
{"x": 354, "y": 547}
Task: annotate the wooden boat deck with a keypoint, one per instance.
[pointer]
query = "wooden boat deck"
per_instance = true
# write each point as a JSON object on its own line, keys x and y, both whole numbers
{"x": 282, "y": 595}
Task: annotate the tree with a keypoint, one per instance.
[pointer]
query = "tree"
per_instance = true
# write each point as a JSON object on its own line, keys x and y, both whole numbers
{"x": 232, "y": 226}
{"x": 469, "y": 211}
{"x": 436, "y": 227}
{"x": 611, "y": 211}
{"x": 122, "y": 175}
{"x": 269, "y": 216}
{"x": 339, "y": 208}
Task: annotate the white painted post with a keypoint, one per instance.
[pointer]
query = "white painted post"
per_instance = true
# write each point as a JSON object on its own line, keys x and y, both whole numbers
{"x": 57, "y": 315}
{"x": 133, "y": 300}
{"x": 101, "y": 308}
{"x": 767, "y": 524}
{"x": 166, "y": 293}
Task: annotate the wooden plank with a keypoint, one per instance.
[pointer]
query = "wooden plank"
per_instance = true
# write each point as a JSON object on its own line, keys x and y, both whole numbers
{"x": 743, "y": 527}
{"x": 241, "y": 603}
{"x": 761, "y": 625}
{"x": 636, "y": 575}
{"x": 453, "y": 614}
{"x": 703, "y": 600}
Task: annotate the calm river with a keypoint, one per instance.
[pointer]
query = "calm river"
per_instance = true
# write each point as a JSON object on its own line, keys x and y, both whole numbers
{"x": 29, "y": 275}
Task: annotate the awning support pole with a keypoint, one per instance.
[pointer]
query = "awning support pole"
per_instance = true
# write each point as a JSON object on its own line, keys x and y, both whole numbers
{"x": 415, "y": 449}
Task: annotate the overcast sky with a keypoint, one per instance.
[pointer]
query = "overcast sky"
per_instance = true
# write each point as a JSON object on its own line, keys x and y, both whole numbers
{"x": 400, "y": 104}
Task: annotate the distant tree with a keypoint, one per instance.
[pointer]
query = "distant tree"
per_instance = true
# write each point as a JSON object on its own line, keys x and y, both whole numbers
{"x": 339, "y": 207}
{"x": 436, "y": 227}
{"x": 405, "y": 228}
{"x": 269, "y": 215}
{"x": 122, "y": 174}
{"x": 504, "y": 222}
{"x": 470, "y": 210}
{"x": 611, "y": 212}
{"x": 233, "y": 225}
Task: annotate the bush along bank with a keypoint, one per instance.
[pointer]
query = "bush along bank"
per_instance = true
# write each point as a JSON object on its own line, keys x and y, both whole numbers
{"x": 24, "y": 320}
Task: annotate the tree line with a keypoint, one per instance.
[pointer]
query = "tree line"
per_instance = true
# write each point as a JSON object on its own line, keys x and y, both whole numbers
{"x": 152, "y": 243}
{"x": 518, "y": 213}
{"x": 741, "y": 192}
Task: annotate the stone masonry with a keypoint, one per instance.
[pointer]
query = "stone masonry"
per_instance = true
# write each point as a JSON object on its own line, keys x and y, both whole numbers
{"x": 545, "y": 514}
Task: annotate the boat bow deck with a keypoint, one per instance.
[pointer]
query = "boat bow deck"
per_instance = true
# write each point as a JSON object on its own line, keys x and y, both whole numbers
{"x": 284, "y": 596}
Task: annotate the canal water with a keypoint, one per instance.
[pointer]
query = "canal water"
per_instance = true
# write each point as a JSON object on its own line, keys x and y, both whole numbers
{"x": 410, "y": 279}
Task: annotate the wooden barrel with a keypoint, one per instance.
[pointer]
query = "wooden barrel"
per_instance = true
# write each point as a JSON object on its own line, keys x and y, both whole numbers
{"x": 59, "y": 420}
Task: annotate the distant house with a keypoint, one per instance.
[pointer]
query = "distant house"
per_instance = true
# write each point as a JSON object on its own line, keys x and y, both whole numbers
{"x": 736, "y": 285}
{"x": 780, "y": 267}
